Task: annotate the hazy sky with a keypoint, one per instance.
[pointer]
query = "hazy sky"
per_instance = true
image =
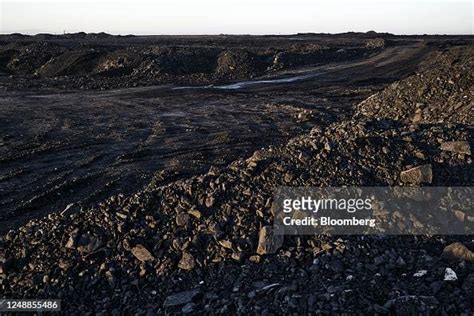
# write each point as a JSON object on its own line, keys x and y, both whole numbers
{"x": 237, "y": 16}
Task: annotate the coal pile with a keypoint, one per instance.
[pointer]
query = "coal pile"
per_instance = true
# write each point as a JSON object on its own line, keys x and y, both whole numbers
{"x": 205, "y": 245}
{"x": 240, "y": 64}
{"x": 313, "y": 54}
{"x": 26, "y": 59}
{"x": 101, "y": 61}
{"x": 441, "y": 93}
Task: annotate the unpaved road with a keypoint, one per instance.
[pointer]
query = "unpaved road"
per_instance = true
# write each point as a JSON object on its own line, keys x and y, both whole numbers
{"x": 78, "y": 148}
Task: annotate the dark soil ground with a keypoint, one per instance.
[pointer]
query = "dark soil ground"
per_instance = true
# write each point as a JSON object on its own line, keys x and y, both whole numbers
{"x": 154, "y": 159}
{"x": 75, "y": 148}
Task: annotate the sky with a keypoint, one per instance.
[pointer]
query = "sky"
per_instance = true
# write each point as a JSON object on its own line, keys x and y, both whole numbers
{"x": 143, "y": 17}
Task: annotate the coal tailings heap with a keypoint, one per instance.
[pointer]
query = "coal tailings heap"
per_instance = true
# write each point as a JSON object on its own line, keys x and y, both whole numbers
{"x": 441, "y": 92}
{"x": 102, "y": 61}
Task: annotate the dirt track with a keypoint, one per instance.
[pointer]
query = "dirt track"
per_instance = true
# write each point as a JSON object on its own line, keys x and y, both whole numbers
{"x": 81, "y": 147}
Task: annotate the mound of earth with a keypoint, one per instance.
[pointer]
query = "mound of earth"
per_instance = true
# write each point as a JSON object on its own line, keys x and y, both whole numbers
{"x": 443, "y": 92}
{"x": 202, "y": 245}
{"x": 239, "y": 64}
{"x": 20, "y": 58}
{"x": 75, "y": 62}
{"x": 305, "y": 55}
{"x": 102, "y": 61}
{"x": 180, "y": 61}
{"x": 118, "y": 63}
{"x": 375, "y": 43}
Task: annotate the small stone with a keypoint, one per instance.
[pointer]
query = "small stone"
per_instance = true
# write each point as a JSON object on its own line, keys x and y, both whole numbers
{"x": 89, "y": 243}
{"x": 141, "y": 253}
{"x": 182, "y": 219}
{"x": 420, "y": 273}
{"x": 460, "y": 147}
{"x": 247, "y": 192}
{"x": 237, "y": 256}
{"x": 400, "y": 262}
{"x": 195, "y": 213}
{"x": 252, "y": 164}
{"x": 71, "y": 243}
{"x": 110, "y": 278}
{"x": 457, "y": 251}
{"x": 416, "y": 175}
{"x": 63, "y": 264}
{"x": 209, "y": 201}
{"x": 417, "y": 118}
{"x": 180, "y": 298}
{"x": 226, "y": 244}
{"x": 187, "y": 261}
{"x": 450, "y": 275}
{"x": 420, "y": 155}
{"x": 460, "y": 215}
{"x": 288, "y": 177}
{"x": 121, "y": 215}
{"x": 268, "y": 242}
{"x": 188, "y": 308}
{"x": 303, "y": 117}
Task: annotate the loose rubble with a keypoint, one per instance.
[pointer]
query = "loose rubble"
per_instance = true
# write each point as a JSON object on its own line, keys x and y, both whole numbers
{"x": 442, "y": 93}
{"x": 457, "y": 147}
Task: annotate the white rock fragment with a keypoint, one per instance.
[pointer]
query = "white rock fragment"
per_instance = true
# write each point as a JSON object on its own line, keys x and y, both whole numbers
{"x": 267, "y": 287}
{"x": 450, "y": 275}
{"x": 420, "y": 273}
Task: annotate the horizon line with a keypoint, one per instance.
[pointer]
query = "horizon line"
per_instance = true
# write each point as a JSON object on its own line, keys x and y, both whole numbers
{"x": 27, "y": 33}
